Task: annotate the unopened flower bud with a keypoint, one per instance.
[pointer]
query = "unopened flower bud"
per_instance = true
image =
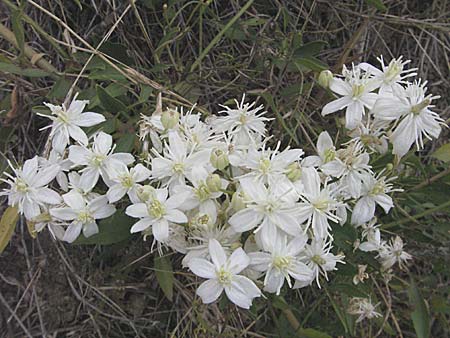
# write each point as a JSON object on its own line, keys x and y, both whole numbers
{"x": 294, "y": 172}
{"x": 325, "y": 78}
{"x": 170, "y": 118}
{"x": 389, "y": 167}
{"x": 145, "y": 192}
{"x": 237, "y": 201}
{"x": 213, "y": 183}
{"x": 219, "y": 159}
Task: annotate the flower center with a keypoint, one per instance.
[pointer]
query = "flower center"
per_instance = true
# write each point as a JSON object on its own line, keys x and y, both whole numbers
{"x": 264, "y": 165}
{"x": 281, "y": 263}
{"x": 97, "y": 160}
{"x": 21, "y": 185}
{"x": 63, "y": 117}
{"x": 321, "y": 204}
{"x": 393, "y": 71}
{"x": 202, "y": 192}
{"x": 224, "y": 276}
{"x": 417, "y": 109}
{"x": 178, "y": 168}
{"x": 85, "y": 217}
{"x": 243, "y": 119}
{"x": 127, "y": 181}
{"x": 377, "y": 189}
{"x": 329, "y": 155}
{"x": 270, "y": 207}
{"x": 156, "y": 209}
{"x": 357, "y": 90}
{"x": 317, "y": 259}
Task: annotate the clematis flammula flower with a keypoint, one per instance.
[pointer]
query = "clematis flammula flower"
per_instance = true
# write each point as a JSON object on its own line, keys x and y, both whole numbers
{"x": 268, "y": 209}
{"x": 326, "y": 152}
{"x": 28, "y": 187}
{"x": 223, "y": 274}
{"x": 318, "y": 257}
{"x": 205, "y": 191}
{"x": 245, "y": 125}
{"x": 391, "y": 75}
{"x": 356, "y": 91}
{"x": 412, "y": 107}
{"x": 363, "y": 308}
{"x": 125, "y": 181}
{"x": 269, "y": 166}
{"x": 82, "y": 214}
{"x": 374, "y": 191}
{"x": 55, "y": 158}
{"x": 67, "y": 123}
{"x": 177, "y": 161}
{"x": 157, "y": 212}
{"x": 318, "y": 205}
{"x": 98, "y": 160}
{"x": 392, "y": 253}
{"x": 281, "y": 262}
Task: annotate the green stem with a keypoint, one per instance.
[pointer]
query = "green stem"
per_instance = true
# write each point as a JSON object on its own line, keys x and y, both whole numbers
{"x": 219, "y": 36}
{"x": 415, "y": 217}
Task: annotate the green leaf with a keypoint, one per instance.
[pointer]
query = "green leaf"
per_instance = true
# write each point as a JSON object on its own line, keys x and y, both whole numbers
{"x": 112, "y": 230}
{"x": 164, "y": 275}
{"x": 7, "y": 226}
{"x": 443, "y": 153}
{"x": 29, "y": 72}
{"x": 17, "y": 27}
{"x": 378, "y": 4}
{"x": 126, "y": 143}
{"x": 108, "y": 102}
{"x": 420, "y": 316}
{"x": 310, "y": 49}
{"x": 311, "y": 333}
{"x": 59, "y": 89}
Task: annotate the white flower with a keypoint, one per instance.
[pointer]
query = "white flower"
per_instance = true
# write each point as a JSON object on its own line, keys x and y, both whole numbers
{"x": 392, "y": 253}
{"x": 157, "y": 212}
{"x": 177, "y": 161}
{"x": 364, "y": 308}
{"x": 53, "y": 225}
{"x": 67, "y": 123}
{"x": 411, "y": 107}
{"x": 125, "y": 181}
{"x": 82, "y": 213}
{"x": 245, "y": 124}
{"x": 390, "y": 76}
{"x": 325, "y": 150}
{"x": 318, "y": 257}
{"x": 28, "y": 187}
{"x": 98, "y": 160}
{"x": 203, "y": 194}
{"x": 371, "y": 135}
{"x": 372, "y": 234}
{"x": 356, "y": 95}
{"x": 55, "y": 158}
{"x": 268, "y": 210}
{"x": 269, "y": 166}
{"x": 223, "y": 274}
{"x": 281, "y": 263}
{"x": 374, "y": 191}
{"x": 318, "y": 205}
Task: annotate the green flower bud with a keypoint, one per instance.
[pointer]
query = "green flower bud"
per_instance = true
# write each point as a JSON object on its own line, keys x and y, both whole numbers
{"x": 294, "y": 172}
{"x": 325, "y": 78}
{"x": 237, "y": 201}
{"x": 219, "y": 159}
{"x": 170, "y": 118}
{"x": 213, "y": 183}
{"x": 145, "y": 192}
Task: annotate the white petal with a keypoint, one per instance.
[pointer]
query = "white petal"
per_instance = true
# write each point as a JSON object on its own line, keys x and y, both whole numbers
{"x": 45, "y": 175}
{"x": 89, "y": 119}
{"x": 30, "y": 209}
{"x": 124, "y": 158}
{"x": 79, "y": 155}
{"x": 236, "y": 293}
{"x": 238, "y": 261}
{"x": 340, "y": 87}
{"x": 141, "y": 225}
{"x": 245, "y": 220}
{"x": 353, "y": 115}
{"x": 89, "y": 178}
{"x": 78, "y": 134}
{"x": 140, "y": 173}
{"x": 116, "y": 192}
{"x": 66, "y": 214}
{"x": 324, "y": 142}
{"x": 104, "y": 212}
{"x": 137, "y": 210}
{"x": 74, "y": 200}
{"x": 336, "y": 105}
{"x": 46, "y": 195}
{"x": 60, "y": 140}
{"x": 363, "y": 211}
{"x": 30, "y": 168}
{"x": 209, "y": 291}
{"x": 102, "y": 143}
{"x": 202, "y": 268}
{"x": 217, "y": 253}
{"x": 90, "y": 229}
{"x": 300, "y": 271}
{"x": 72, "y": 232}
{"x": 160, "y": 230}
{"x": 176, "y": 216}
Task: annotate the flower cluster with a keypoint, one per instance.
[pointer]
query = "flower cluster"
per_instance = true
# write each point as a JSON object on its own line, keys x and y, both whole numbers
{"x": 248, "y": 215}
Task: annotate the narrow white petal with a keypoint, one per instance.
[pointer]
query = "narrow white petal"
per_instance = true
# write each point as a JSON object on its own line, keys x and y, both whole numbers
{"x": 89, "y": 119}
{"x": 238, "y": 261}
{"x": 209, "y": 291}
{"x": 202, "y": 268}
{"x": 217, "y": 253}
{"x": 72, "y": 232}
